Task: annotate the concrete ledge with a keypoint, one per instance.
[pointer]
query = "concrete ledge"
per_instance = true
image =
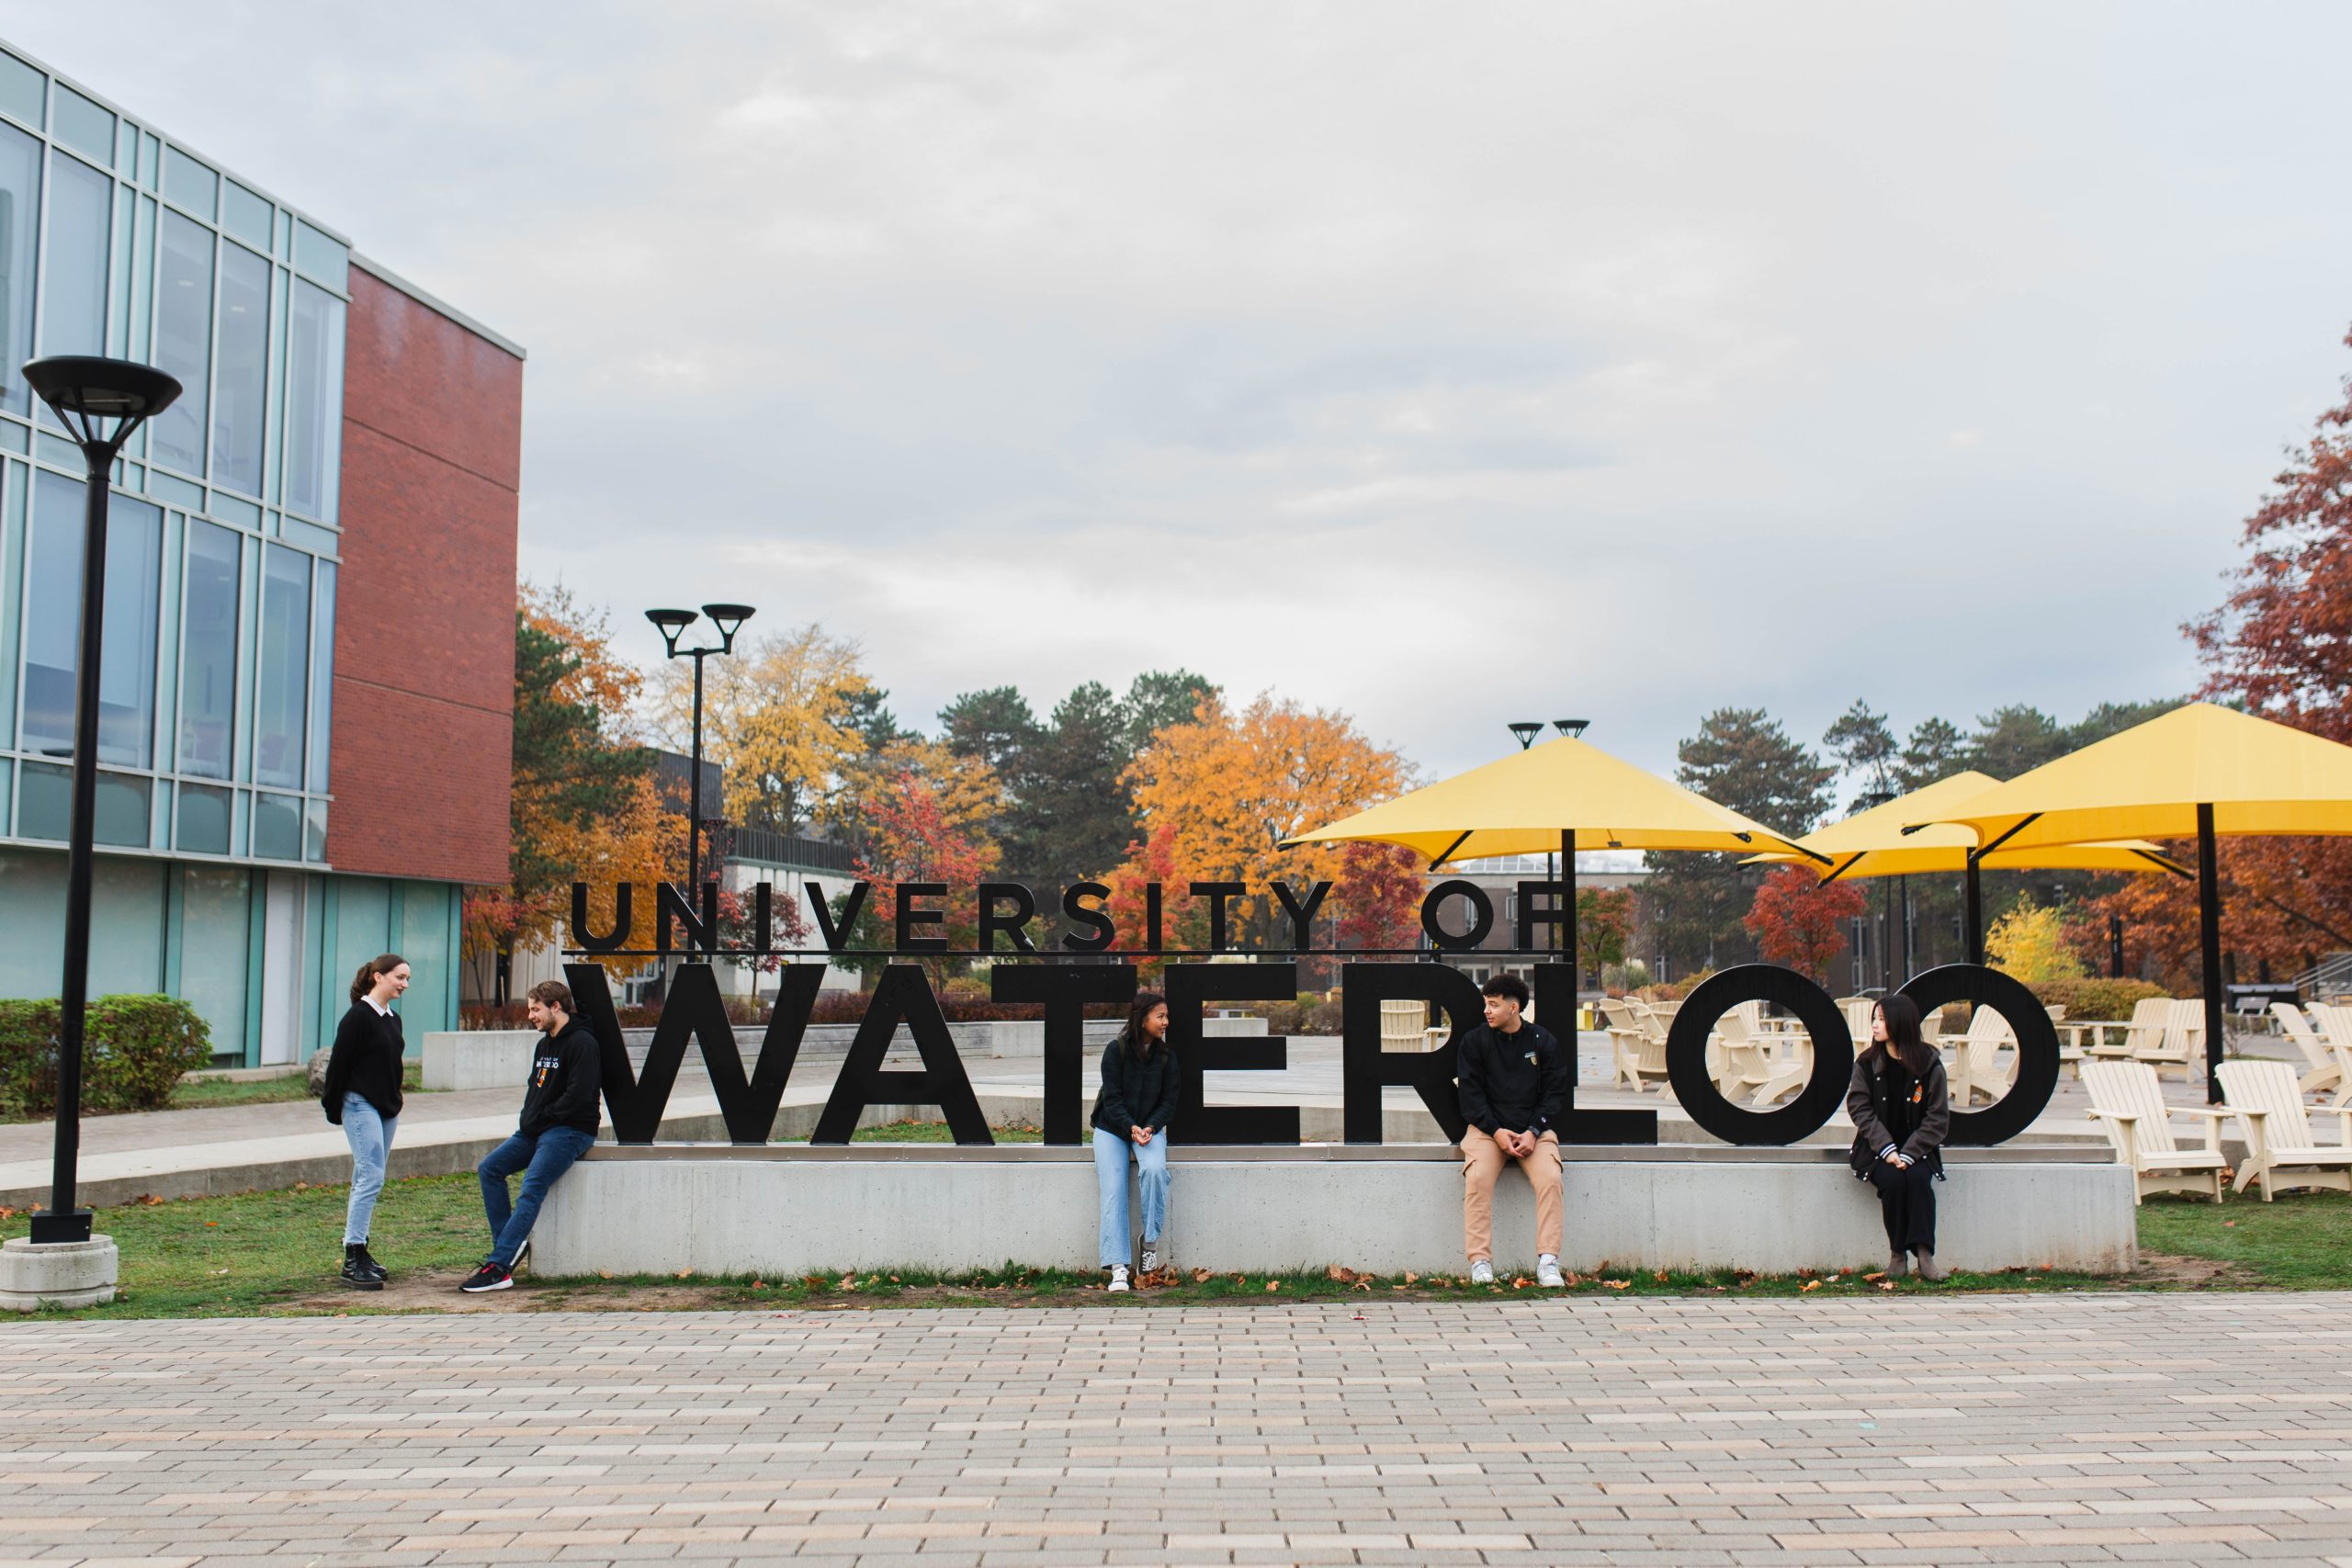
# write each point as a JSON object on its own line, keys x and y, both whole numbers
{"x": 657, "y": 1210}
{"x": 478, "y": 1058}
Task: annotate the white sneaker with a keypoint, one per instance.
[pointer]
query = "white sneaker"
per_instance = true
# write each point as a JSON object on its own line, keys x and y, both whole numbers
{"x": 1151, "y": 1258}
{"x": 1548, "y": 1272}
{"x": 1482, "y": 1272}
{"x": 1118, "y": 1277}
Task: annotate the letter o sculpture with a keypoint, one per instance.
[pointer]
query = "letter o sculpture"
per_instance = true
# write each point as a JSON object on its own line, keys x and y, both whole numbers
{"x": 1686, "y": 1054}
{"x": 2037, "y": 1047}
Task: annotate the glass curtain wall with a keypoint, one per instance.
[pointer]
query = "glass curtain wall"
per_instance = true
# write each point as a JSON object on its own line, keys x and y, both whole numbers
{"x": 314, "y": 401}
{"x": 281, "y": 694}
{"x": 241, "y": 403}
{"x": 74, "y": 304}
{"x": 19, "y": 229}
{"x": 208, "y": 653}
{"x": 183, "y": 341}
{"x": 52, "y": 625}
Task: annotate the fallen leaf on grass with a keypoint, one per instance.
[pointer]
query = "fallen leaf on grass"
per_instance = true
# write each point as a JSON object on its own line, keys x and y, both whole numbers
{"x": 1520, "y": 1282}
{"x": 1886, "y": 1284}
{"x": 1809, "y": 1285}
{"x": 1344, "y": 1276}
{"x": 1618, "y": 1284}
{"x": 1273, "y": 1285}
{"x": 1833, "y": 1278}
{"x": 1201, "y": 1275}
{"x": 1412, "y": 1279}
{"x": 1805, "y": 1273}
{"x": 1875, "y": 1279}
{"x": 759, "y": 1284}
{"x": 685, "y": 1274}
{"x": 1363, "y": 1285}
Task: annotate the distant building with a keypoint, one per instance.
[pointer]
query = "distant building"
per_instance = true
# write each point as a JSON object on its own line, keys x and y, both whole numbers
{"x": 1498, "y": 877}
{"x": 308, "y": 676}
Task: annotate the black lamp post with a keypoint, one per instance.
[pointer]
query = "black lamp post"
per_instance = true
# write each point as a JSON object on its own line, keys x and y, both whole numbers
{"x": 100, "y": 402}
{"x": 729, "y": 619}
{"x": 1571, "y": 728}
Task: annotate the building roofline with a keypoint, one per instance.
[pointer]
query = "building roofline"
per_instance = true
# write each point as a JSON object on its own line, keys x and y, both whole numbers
{"x": 386, "y": 276}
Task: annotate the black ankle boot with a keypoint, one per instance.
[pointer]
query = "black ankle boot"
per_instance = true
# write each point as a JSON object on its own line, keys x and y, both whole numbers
{"x": 369, "y": 1260}
{"x": 360, "y": 1270}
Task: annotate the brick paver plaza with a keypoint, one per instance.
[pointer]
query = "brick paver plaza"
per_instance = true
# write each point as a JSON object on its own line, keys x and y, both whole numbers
{"x": 2080, "y": 1428}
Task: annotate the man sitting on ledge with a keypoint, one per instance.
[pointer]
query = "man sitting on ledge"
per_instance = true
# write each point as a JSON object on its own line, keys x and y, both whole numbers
{"x": 1513, "y": 1079}
{"x": 558, "y": 1122}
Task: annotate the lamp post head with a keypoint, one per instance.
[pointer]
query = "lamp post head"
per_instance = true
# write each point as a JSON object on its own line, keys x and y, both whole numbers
{"x": 1526, "y": 729}
{"x": 1571, "y": 728}
{"x": 86, "y": 390}
{"x": 729, "y": 619}
{"x": 672, "y": 623}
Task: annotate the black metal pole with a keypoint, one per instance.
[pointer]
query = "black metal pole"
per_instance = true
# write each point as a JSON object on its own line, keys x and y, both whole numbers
{"x": 2209, "y": 921}
{"x": 1976, "y": 899}
{"x": 1568, "y": 927}
{"x": 64, "y": 1221}
{"x": 1902, "y": 924}
{"x": 694, "y": 798}
{"x": 2115, "y": 947}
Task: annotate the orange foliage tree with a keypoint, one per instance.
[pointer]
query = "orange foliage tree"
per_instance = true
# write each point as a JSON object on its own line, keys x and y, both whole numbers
{"x": 1230, "y": 787}
{"x": 1183, "y": 920}
{"x": 1800, "y": 922}
{"x": 910, "y": 837}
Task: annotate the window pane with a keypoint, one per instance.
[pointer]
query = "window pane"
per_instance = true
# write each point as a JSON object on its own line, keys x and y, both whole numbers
{"x": 245, "y": 215}
{"x": 322, "y": 681}
{"x": 53, "y": 623}
{"x": 278, "y": 826}
{"x": 183, "y": 339}
{"x": 204, "y": 819}
{"x": 80, "y": 205}
{"x": 280, "y": 703}
{"x": 45, "y": 799}
{"x": 209, "y": 658}
{"x": 242, "y": 398}
{"x": 47, "y": 810}
{"x": 314, "y": 401}
{"x": 81, "y": 124}
{"x": 321, "y": 256}
{"x": 190, "y": 183}
{"x": 216, "y": 922}
{"x": 122, "y": 810}
{"x": 21, "y": 89}
{"x": 20, "y": 226}
{"x": 314, "y": 831}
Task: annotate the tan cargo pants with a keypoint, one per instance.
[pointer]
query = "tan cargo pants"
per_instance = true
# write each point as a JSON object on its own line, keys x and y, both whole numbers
{"x": 1483, "y": 1160}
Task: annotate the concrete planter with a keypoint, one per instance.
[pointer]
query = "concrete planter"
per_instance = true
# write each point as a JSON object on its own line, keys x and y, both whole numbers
{"x": 62, "y": 1274}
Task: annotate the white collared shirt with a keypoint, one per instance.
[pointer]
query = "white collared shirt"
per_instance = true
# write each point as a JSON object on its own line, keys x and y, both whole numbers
{"x": 383, "y": 1010}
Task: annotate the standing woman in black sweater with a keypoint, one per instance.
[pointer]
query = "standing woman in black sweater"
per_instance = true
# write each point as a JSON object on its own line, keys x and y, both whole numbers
{"x": 1901, "y": 1111}
{"x": 363, "y": 1093}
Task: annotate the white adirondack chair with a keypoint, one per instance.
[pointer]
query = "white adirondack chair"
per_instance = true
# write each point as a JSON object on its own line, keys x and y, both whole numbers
{"x": 2149, "y": 1020}
{"x": 1739, "y": 1059}
{"x": 1977, "y": 1065}
{"x": 1639, "y": 1053}
{"x": 2182, "y": 1041}
{"x": 2129, "y": 1102}
{"x": 2320, "y": 1050}
{"x": 1402, "y": 1026}
{"x": 2281, "y": 1151}
{"x": 2333, "y": 1022}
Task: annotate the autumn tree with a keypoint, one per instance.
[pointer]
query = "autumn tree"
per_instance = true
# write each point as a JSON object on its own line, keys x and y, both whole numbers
{"x": 1604, "y": 924}
{"x": 1378, "y": 896}
{"x": 782, "y": 716}
{"x": 912, "y": 837}
{"x": 583, "y": 804}
{"x": 1232, "y": 788}
{"x": 1799, "y": 921}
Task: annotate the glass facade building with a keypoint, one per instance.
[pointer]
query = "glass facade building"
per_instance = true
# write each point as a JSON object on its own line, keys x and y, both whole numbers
{"x": 225, "y": 557}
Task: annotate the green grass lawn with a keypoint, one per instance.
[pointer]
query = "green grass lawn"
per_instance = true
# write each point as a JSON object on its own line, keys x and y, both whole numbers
{"x": 278, "y": 1252}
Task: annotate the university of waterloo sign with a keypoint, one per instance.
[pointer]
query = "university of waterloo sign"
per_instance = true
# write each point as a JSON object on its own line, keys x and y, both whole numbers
{"x": 1087, "y": 968}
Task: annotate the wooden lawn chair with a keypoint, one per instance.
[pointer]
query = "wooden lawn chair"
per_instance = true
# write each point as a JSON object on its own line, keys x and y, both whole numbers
{"x": 2333, "y": 1021}
{"x": 2182, "y": 1041}
{"x": 2320, "y": 1050}
{"x": 2128, "y": 1102}
{"x": 1977, "y": 1067}
{"x": 1404, "y": 1026}
{"x": 1639, "y": 1053}
{"x": 2279, "y": 1149}
{"x": 2149, "y": 1020}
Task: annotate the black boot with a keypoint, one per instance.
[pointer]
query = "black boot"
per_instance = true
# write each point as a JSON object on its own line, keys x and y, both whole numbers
{"x": 368, "y": 1260}
{"x": 360, "y": 1270}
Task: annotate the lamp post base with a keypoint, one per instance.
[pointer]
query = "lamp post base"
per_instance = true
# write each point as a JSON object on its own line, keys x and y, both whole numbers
{"x": 57, "y": 1274}
{"x": 56, "y": 1229}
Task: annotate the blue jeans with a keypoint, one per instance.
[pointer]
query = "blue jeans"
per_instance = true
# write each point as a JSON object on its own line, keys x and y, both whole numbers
{"x": 541, "y": 1159}
{"x": 369, "y": 1133}
{"x": 1110, "y": 1152}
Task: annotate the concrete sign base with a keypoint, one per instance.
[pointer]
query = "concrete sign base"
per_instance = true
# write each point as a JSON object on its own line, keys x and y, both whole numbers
{"x": 785, "y": 1209}
{"x": 66, "y": 1274}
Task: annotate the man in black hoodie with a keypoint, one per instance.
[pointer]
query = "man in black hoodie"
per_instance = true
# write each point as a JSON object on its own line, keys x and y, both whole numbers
{"x": 558, "y": 1122}
{"x": 1513, "y": 1079}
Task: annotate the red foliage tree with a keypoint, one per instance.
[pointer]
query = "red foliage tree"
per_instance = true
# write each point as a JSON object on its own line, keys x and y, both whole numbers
{"x": 909, "y": 838}
{"x": 1800, "y": 920}
{"x": 1184, "y": 921}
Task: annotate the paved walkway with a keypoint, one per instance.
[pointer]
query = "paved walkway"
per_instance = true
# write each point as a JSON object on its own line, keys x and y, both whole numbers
{"x": 2053, "y": 1429}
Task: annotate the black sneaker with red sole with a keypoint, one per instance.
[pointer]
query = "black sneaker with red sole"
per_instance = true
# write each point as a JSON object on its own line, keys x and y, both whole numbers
{"x": 491, "y": 1276}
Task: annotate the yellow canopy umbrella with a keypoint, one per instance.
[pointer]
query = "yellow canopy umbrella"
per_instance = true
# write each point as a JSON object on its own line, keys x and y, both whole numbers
{"x": 1556, "y": 795}
{"x": 1876, "y": 842}
{"x": 2197, "y": 771}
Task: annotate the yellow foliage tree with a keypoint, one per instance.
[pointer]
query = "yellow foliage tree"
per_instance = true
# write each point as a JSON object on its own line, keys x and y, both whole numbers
{"x": 2030, "y": 945}
{"x": 967, "y": 792}
{"x": 1229, "y": 787}
{"x": 776, "y": 717}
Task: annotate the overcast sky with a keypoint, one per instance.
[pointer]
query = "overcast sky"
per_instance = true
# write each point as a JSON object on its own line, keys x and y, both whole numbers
{"x": 1443, "y": 364}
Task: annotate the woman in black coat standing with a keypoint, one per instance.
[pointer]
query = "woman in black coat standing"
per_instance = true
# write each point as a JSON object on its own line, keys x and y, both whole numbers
{"x": 1901, "y": 1111}
{"x": 362, "y": 1094}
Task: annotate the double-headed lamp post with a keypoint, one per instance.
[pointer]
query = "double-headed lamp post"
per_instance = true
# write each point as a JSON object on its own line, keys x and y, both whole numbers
{"x": 729, "y": 619}
{"x": 100, "y": 402}
{"x": 1527, "y": 729}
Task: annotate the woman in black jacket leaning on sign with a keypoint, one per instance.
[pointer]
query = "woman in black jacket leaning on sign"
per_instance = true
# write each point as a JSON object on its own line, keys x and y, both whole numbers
{"x": 363, "y": 1093}
{"x": 1901, "y": 1111}
{"x": 1132, "y": 1113}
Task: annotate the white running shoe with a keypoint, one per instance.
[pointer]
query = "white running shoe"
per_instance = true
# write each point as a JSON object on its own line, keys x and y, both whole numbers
{"x": 1482, "y": 1272}
{"x": 1118, "y": 1277}
{"x": 1548, "y": 1272}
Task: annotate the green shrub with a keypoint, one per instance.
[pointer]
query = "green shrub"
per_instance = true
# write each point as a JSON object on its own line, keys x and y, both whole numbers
{"x": 2088, "y": 1000}
{"x": 134, "y": 1050}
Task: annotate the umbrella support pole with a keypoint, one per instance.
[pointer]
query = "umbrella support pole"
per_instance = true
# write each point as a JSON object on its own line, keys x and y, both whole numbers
{"x": 2209, "y": 924}
{"x": 1568, "y": 929}
{"x": 1975, "y": 914}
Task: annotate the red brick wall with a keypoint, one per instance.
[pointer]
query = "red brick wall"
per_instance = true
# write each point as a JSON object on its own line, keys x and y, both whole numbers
{"x": 424, "y": 609}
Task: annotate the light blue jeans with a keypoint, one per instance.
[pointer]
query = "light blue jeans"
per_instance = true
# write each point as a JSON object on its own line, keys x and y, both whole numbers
{"x": 541, "y": 1160}
{"x": 1110, "y": 1152}
{"x": 369, "y": 1133}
